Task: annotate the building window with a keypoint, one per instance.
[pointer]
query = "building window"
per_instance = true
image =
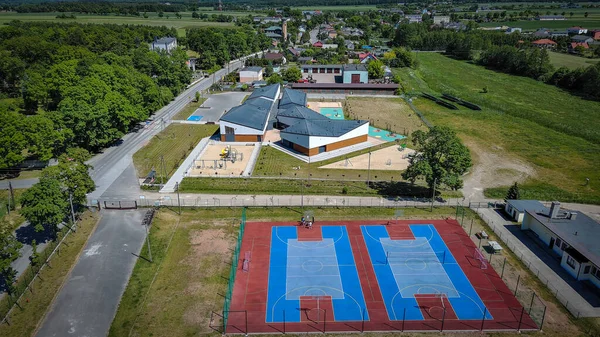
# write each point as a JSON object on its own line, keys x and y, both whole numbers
{"x": 329, "y": 70}
{"x": 564, "y": 246}
{"x": 336, "y": 70}
{"x": 571, "y": 262}
{"x": 306, "y": 70}
{"x": 586, "y": 270}
{"x": 558, "y": 242}
{"x": 596, "y": 272}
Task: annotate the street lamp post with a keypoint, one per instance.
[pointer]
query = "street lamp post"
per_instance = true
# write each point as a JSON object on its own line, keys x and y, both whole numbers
{"x": 433, "y": 194}
{"x": 178, "y": 200}
{"x": 369, "y": 171}
{"x": 72, "y": 211}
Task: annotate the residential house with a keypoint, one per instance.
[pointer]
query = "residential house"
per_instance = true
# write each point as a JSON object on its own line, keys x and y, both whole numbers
{"x": 332, "y": 34}
{"x": 544, "y": 43}
{"x": 577, "y": 30}
{"x": 327, "y": 73}
{"x": 251, "y": 74}
{"x": 596, "y": 34}
{"x": 541, "y": 33}
{"x": 329, "y": 46}
{"x": 441, "y": 19}
{"x": 550, "y": 18}
{"x": 276, "y": 58}
{"x": 582, "y": 39}
{"x": 295, "y": 52}
{"x": 416, "y": 18}
{"x": 318, "y": 44}
{"x": 349, "y": 45}
{"x": 455, "y": 26}
{"x": 366, "y": 57}
{"x": 355, "y": 73}
{"x": 573, "y": 236}
{"x": 573, "y": 45}
{"x": 559, "y": 33}
{"x": 516, "y": 208}
{"x": 266, "y": 19}
{"x": 165, "y": 43}
{"x": 305, "y": 60}
{"x": 274, "y": 32}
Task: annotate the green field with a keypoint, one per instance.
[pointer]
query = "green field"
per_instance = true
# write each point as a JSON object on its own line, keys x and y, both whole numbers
{"x": 337, "y": 8}
{"x": 570, "y": 61}
{"x": 591, "y": 22}
{"x": 153, "y": 20}
{"x": 188, "y": 110}
{"x": 174, "y": 143}
{"x": 551, "y": 130}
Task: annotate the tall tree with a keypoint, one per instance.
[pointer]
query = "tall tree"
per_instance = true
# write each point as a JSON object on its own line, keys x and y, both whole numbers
{"x": 440, "y": 158}
{"x": 9, "y": 252}
{"x": 292, "y": 74}
{"x": 44, "y": 204}
{"x": 513, "y": 193}
{"x": 375, "y": 69}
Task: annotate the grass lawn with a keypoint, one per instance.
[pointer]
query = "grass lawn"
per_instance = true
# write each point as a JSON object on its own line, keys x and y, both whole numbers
{"x": 32, "y": 307}
{"x": 14, "y": 219}
{"x": 153, "y": 20}
{"x": 174, "y": 143}
{"x": 188, "y": 110}
{"x": 175, "y": 295}
{"x": 570, "y": 61}
{"x": 521, "y": 118}
{"x": 392, "y": 114}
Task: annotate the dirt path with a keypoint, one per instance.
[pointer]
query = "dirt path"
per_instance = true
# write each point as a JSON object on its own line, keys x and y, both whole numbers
{"x": 491, "y": 168}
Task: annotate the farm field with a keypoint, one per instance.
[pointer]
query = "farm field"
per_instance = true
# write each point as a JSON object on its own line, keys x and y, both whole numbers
{"x": 174, "y": 143}
{"x": 153, "y": 20}
{"x": 392, "y": 114}
{"x": 591, "y": 22}
{"x": 570, "y": 61}
{"x": 176, "y": 294}
{"x": 527, "y": 130}
{"x": 337, "y": 8}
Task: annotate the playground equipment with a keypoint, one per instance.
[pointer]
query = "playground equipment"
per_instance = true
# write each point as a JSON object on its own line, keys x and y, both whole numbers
{"x": 347, "y": 162}
{"x": 230, "y": 154}
{"x": 206, "y": 164}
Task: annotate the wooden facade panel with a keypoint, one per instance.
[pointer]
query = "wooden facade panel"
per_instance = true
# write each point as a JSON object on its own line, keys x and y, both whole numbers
{"x": 344, "y": 143}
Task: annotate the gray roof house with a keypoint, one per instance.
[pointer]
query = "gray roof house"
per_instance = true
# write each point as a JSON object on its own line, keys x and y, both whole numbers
{"x": 291, "y": 98}
{"x": 573, "y": 236}
{"x": 582, "y": 38}
{"x": 516, "y": 208}
{"x": 323, "y": 127}
{"x": 165, "y": 43}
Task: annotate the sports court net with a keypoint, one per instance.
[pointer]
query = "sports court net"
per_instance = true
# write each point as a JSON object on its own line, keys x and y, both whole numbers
{"x": 415, "y": 257}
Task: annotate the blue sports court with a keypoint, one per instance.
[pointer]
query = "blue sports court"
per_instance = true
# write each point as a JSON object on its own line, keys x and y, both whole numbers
{"x": 306, "y": 269}
{"x": 423, "y": 266}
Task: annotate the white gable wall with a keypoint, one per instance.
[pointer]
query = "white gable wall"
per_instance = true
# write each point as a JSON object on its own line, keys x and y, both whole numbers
{"x": 316, "y": 141}
{"x": 239, "y": 129}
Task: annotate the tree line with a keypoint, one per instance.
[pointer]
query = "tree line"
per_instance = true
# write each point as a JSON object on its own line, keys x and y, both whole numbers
{"x": 101, "y": 8}
{"x": 75, "y": 85}
{"x": 218, "y": 46}
{"x": 510, "y": 53}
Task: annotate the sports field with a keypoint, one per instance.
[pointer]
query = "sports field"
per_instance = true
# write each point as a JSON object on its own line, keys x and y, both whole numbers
{"x": 355, "y": 276}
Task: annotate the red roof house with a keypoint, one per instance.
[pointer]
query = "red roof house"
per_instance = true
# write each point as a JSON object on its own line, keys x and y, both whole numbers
{"x": 544, "y": 43}
{"x": 318, "y": 44}
{"x": 574, "y": 45}
{"x": 596, "y": 34}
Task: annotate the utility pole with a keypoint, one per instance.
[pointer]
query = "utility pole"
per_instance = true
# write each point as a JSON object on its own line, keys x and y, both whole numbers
{"x": 72, "y": 211}
{"x": 369, "y": 171}
{"x": 433, "y": 194}
{"x": 12, "y": 195}
{"x": 162, "y": 165}
{"x": 178, "y": 200}
{"x": 148, "y": 242}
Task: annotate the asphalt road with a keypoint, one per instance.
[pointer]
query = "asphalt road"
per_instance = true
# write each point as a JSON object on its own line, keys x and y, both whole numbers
{"x": 18, "y": 183}
{"x": 88, "y": 300}
{"x": 109, "y": 165}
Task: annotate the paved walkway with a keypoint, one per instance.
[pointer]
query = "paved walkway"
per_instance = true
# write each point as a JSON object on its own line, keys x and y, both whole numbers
{"x": 88, "y": 300}
{"x": 575, "y": 303}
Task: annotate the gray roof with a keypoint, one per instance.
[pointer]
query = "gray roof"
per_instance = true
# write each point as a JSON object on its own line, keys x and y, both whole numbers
{"x": 272, "y": 35}
{"x": 301, "y": 112}
{"x": 355, "y": 67}
{"x": 257, "y": 69}
{"x": 247, "y": 115}
{"x": 270, "y": 92}
{"x": 305, "y": 58}
{"x": 290, "y": 96}
{"x": 322, "y": 66}
{"x": 260, "y": 102}
{"x": 522, "y": 205}
{"x": 581, "y": 233}
{"x": 323, "y": 128}
{"x": 581, "y": 38}
{"x": 165, "y": 40}
{"x": 272, "y": 28}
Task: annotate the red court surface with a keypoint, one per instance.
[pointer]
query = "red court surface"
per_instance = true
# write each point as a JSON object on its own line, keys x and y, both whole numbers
{"x": 249, "y": 300}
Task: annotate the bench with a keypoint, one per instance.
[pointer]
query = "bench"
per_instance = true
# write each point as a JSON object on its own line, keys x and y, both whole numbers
{"x": 246, "y": 263}
{"x": 483, "y": 235}
{"x": 495, "y": 246}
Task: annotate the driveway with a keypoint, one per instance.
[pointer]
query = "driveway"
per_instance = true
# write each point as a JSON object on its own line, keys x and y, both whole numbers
{"x": 216, "y": 105}
{"x": 88, "y": 301}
